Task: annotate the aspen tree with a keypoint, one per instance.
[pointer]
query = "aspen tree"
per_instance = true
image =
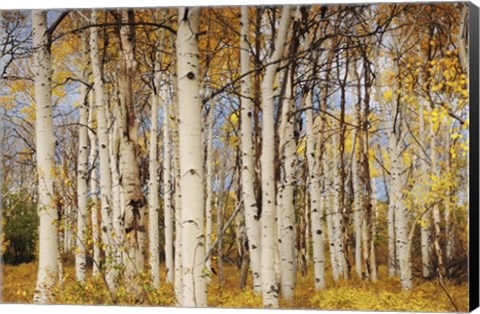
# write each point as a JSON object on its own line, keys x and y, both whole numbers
{"x": 167, "y": 189}
{"x": 153, "y": 201}
{"x": 268, "y": 243}
{"x": 45, "y": 139}
{"x": 252, "y": 219}
{"x": 82, "y": 184}
{"x": 92, "y": 156}
{"x": 286, "y": 212}
{"x": 104, "y": 158}
{"x": 194, "y": 287}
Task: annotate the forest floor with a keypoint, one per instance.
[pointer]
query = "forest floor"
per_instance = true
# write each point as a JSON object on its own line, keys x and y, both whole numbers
{"x": 352, "y": 294}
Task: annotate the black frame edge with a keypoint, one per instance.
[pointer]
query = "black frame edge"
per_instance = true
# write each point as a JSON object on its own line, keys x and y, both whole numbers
{"x": 474, "y": 157}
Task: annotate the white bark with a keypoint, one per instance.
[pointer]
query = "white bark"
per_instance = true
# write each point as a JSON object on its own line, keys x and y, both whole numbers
{"x": 45, "y": 139}
{"x": 104, "y": 158}
{"x": 209, "y": 190}
{"x": 286, "y": 212}
{"x": 133, "y": 202}
{"x": 425, "y": 234}
{"x": 357, "y": 208}
{"x": 392, "y": 262}
{"x": 449, "y": 224}
{"x": 268, "y": 240}
{"x": 82, "y": 176}
{"x": 93, "y": 188}
{"x": 436, "y": 210}
{"x": 463, "y": 37}
{"x": 178, "y": 201}
{"x": 118, "y": 207}
{"x": 167, "y": 190}
{"x": 153, "y": 202}
{"x": 252, "y": 219}
{"x": 194, "y": 289}
{"x": 397, "y": 184}
{"x": 337, "y": 208}
{"x": 315, "y": 186}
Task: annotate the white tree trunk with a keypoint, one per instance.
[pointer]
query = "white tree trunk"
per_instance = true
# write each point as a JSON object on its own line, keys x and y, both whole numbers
{"x": 167, "y": 190}
{"x": 93, "y": 188}
{"x": 209, "y": 190}
{"x": 252, "y": 219}
{"x": 425, "y": 234}
{"x": 117, "y": 204}
{"x": 434, "y": 172}
{"x": 82, "y": 176}
{"x": 449, "y": 224}
{"x": 337, "y": 208}
{"x": 286, "y": 212}
{"x": 392, "y": 261}
{"x": 104, "y": 158}
{"x": 463, "y": 37}
{"x": 178, "y": 199}
{"x": 268, "y": 240}
{"x": 357, "y": 207}
{"x": 194, "y": 289}
{"x": 45, "y": 139}
{"x": 396, "y": 195}
{"x": 315, "y": 187}
{"x": 133, "y": 202}
{"x": 153, "y": 202}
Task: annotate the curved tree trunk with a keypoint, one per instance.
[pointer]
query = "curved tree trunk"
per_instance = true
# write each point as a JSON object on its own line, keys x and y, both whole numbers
{"x": 268, "y": 239}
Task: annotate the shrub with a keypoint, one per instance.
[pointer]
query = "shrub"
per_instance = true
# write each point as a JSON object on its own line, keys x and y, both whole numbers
{"x": 21, "y": 228}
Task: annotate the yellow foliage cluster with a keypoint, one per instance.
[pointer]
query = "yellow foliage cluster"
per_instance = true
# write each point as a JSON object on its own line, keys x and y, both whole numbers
{"x": 386, "y": 294}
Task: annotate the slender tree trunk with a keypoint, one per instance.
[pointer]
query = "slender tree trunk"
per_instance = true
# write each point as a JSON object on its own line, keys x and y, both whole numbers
{"x": 45, "y": 139}
{"x": 367, "y": 200}
{"x": 167, "y": 190}
{"x": 82, "y": 176}
{"x": 222, "y": 195}
{"x": 268, "y": 239}
{"x": 463, "y": 37}
{"x": 252, "y": 219}
{"x": 357, "y": 209}
{"x": 425, "y": 223}
{"x": 449, "y": 223}
{"x": 103, "y": 143}
{"x": 209, "y": 188}
{"x": 392, "y": 254}
{"x": 315, "y": 187}
{"x": 194, "y": 289}
{"x": 153, "y": 202}
{"x": 436, "y": 210}
{"x": 118, "y": 207}
{"x": 178, "y": 284}
{"x": 337, "y": 209}
{"x": 286, "y": 213}
{"x": 93, "y": 188}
